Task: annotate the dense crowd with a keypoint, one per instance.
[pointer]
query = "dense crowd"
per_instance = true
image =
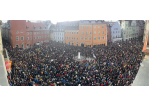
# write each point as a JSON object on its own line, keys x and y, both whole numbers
{"x": 52, "y": 64}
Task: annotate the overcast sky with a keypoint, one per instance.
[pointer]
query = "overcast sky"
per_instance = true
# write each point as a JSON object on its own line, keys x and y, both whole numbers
{"x": 55, "y": 21}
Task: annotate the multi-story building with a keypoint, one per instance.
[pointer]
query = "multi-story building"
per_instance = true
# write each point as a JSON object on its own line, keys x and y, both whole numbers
{"x": 58, "y": 32}
{"x": 86, "y": 33}
{"x": 92, "y": 33}
{"x": 25, "y": 34}
{"x": 141, "y": 24}
{"x": 116, "y": 32}
{"x": 129, "y": 29}
{"x": 71, "y": 35}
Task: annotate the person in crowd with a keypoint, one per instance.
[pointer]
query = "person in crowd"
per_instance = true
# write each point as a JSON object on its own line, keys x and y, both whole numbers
{"x": 52, "y": 64}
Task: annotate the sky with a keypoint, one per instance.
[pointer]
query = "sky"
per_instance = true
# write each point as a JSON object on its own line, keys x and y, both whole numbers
{"x": 55, "y": 21}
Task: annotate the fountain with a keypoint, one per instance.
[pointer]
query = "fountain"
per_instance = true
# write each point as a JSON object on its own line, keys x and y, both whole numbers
{"x": 81, "y": 58}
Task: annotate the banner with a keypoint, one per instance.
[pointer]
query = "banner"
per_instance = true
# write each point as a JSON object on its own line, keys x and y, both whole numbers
{"x": 8, "y": 65}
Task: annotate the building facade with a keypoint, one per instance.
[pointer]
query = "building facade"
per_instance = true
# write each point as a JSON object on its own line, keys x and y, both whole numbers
{"x": 71, "y": 35}
{"x": 58, "y": 32}
{"x": 25, "y": 34}
{"x": 116, "y": 32}
{"x": 92, "y": 33}
{"x": 129, "y": 29}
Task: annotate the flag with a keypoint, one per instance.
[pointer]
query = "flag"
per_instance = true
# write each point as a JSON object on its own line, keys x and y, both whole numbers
{"x": 94, "y": 55}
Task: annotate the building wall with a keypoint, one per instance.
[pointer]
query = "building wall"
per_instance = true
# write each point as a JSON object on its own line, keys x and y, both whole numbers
{"x": 72, "y": 37}
{"x": 86, "y": 35}
{"x": 129, "y": 31}
{"x": 103, "y": 36}
{"x": 58, "y": 36}
{"x": 108, "y": 33}
{"x": 20, "y": 26}
{"x": 115, "y": 31}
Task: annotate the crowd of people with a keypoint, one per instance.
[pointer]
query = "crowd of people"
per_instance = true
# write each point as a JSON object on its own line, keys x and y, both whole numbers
{"x": 52, "y": 64}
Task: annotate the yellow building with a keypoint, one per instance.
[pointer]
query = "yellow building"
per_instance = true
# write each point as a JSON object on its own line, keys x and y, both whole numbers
{"x": 86, "y": 33}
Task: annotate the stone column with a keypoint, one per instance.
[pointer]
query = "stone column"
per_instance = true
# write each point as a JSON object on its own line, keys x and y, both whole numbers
{"x": 78, "y": 55}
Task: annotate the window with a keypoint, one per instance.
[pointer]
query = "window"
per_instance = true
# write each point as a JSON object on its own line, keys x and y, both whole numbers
{"x": 30, "y": 33}
{"x": 86, "y": 27}
{"x": 98, "y": 32}
{"x": 27, "y": 38}
{"x": 83, "y": 27}
{"x": 86, "y": 33}
{"x": 17, "y": 31}
{"x": 94, "y": 38}
{"x": 102, "y": 26}
{"x": 30, "y": 38}
{"x": 113, "y": 31}
{"x": 37, "y": 37}
{"x": 45, "y": 27}
{"x": 77, "y": 32}
{"x": 45, "y": 36}
{"x": 74, "y": 32}
{"x": 42, "y": 37}
{"x": 89, "y": 38}
{"x": 27, "y": 33}
{"x": 90, "y": 33}
{"x": 82, "y": 33}
{"x": 98, "y": 38}
{"x": 40, "y": 27}
{"x": 21, "y": 37}
{"x": 45, "y": 32}
{"x": 94, "y": 32}
{"x": 74, "y": 38}
{"x": 34, "y": 38}
{"x": 21, "y": 31}
{"x": 81, "y": 38}
{"x": 98, "y": 26}
{"x": 94, "y": 27}
{"x": 85, "y": 38}
{"x": 70, "y": 32}
{"x": 77, "y": 38}
{"x": 39, "y": 32}
{"x": 116, "y": 31}
{"x": 90, "y": 27}
{"x": 17, "y": 38}
{"x": 27, "y": 27}
{"x": 103, "y": 37}
{"x": 67, "y": 37}
{"x": 107, "y": 35}
{"x": 34, "y": 33}
{"x": 34, "y": 27}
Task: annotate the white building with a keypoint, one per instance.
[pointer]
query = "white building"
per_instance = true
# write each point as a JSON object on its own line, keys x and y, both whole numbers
{"x": 129, "y": 29}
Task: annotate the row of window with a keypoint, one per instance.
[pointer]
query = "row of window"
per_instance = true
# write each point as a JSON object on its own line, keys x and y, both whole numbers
{"x": 18, "y": 32}
{"x": 58, "y": 34}
{"x": 91, "y": 32}
{"x": 71, "y": 38}
{"x": 91, "y": 27}
{"x": 36, "y": 33}
{"x": 71, "y": 32}
{"x": 22, "y": 38}
{"x": 61, "y": 38}
{"x": 116, "y": 31}
{"x": 35, "y": 27}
